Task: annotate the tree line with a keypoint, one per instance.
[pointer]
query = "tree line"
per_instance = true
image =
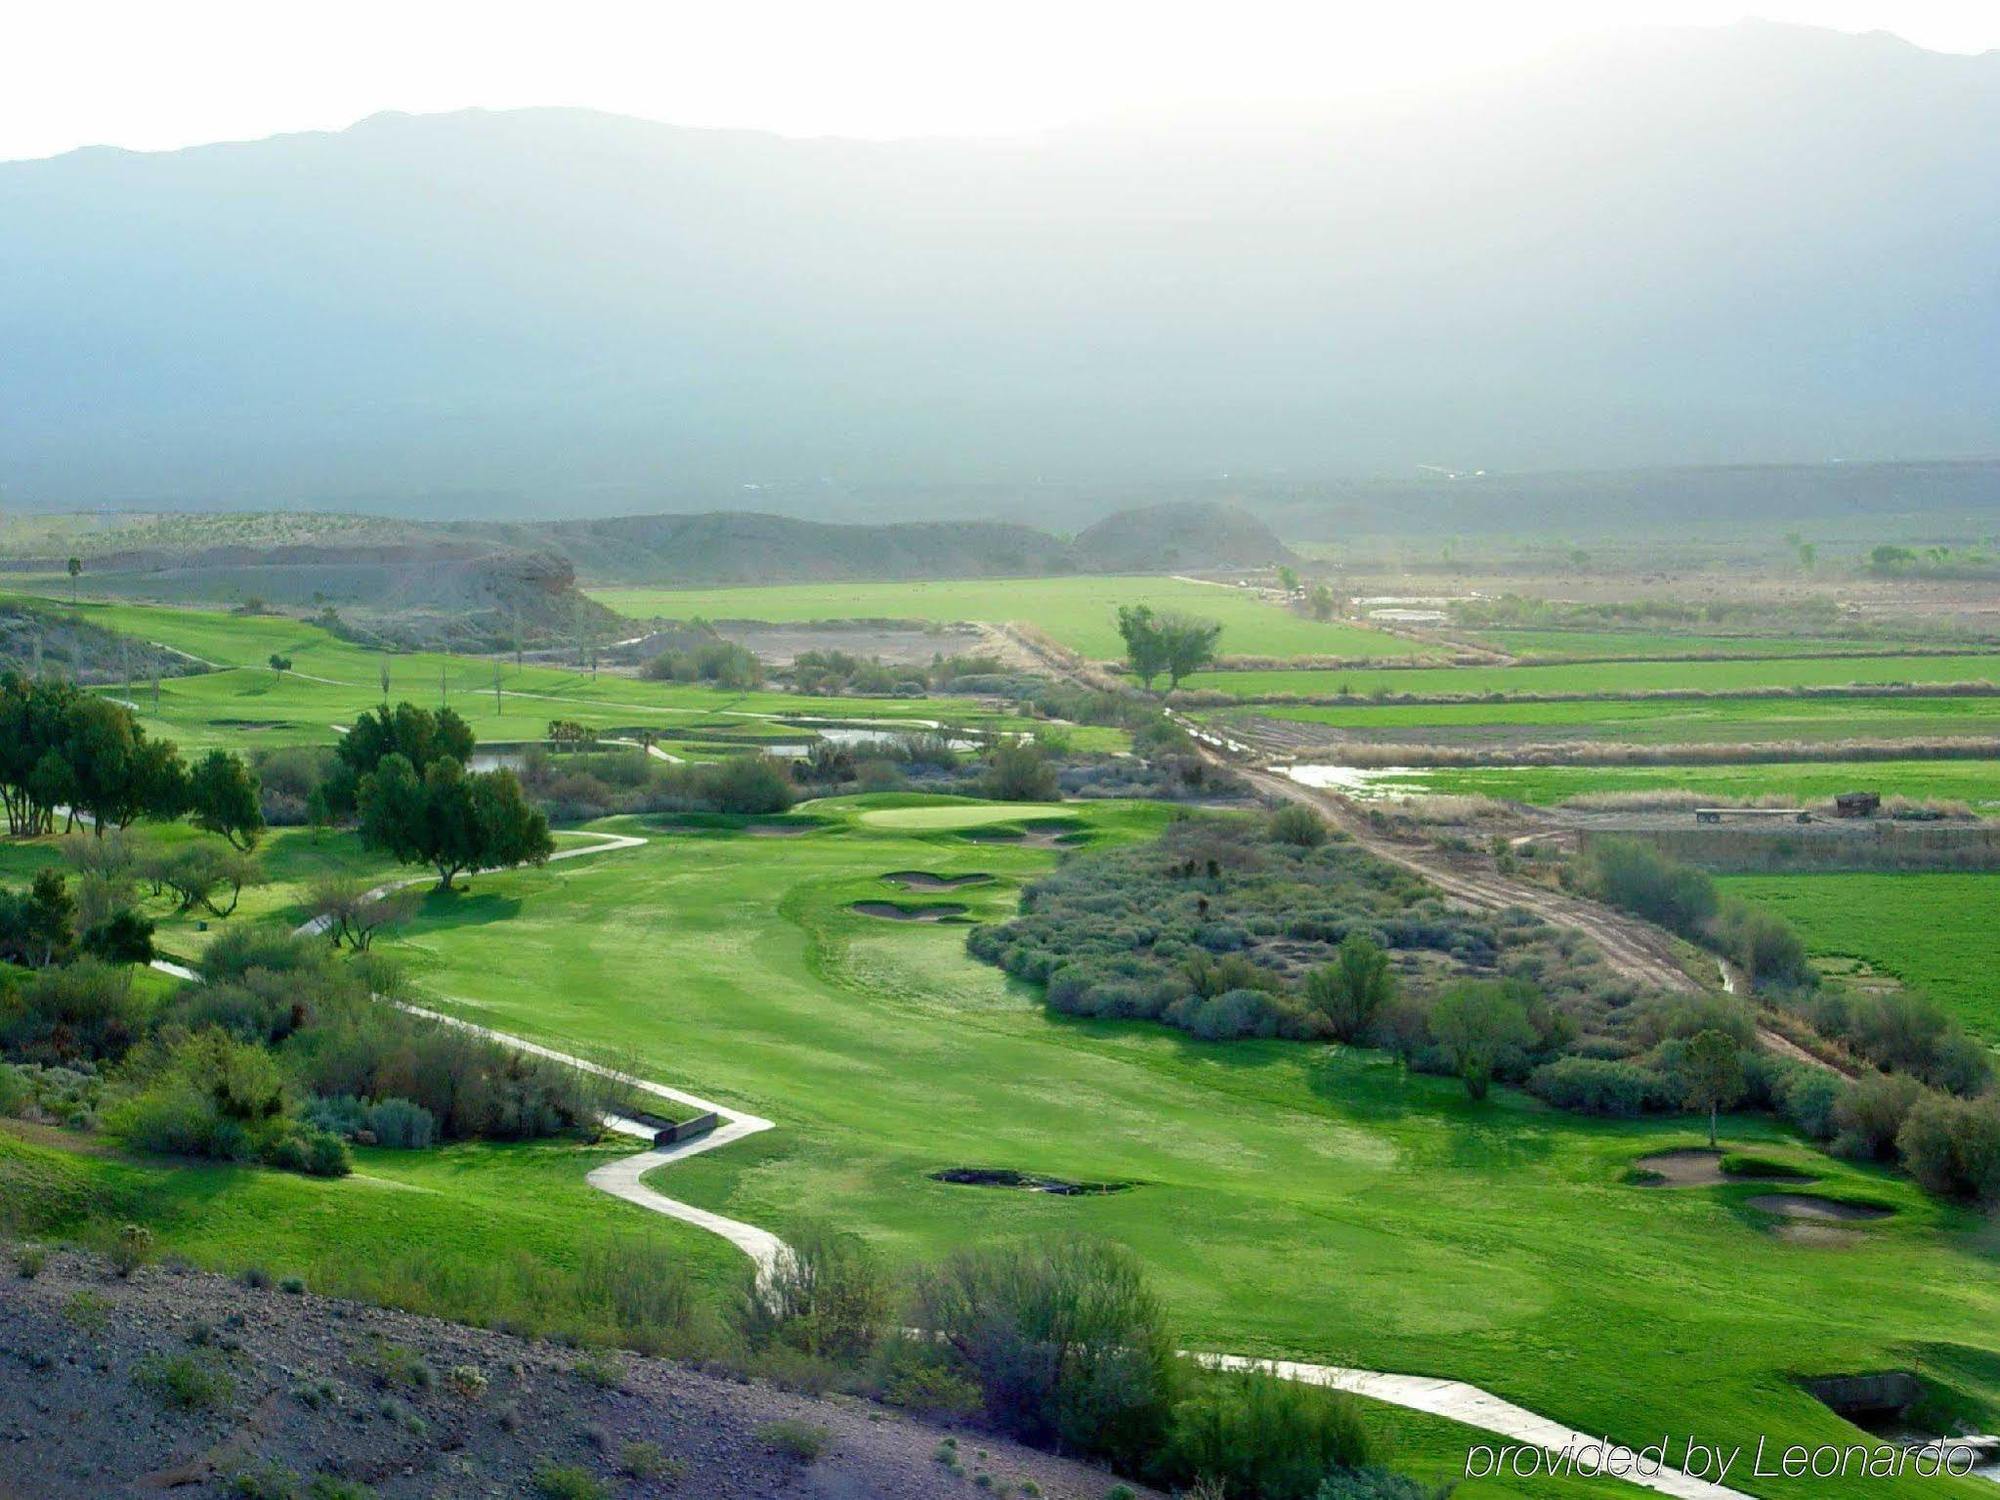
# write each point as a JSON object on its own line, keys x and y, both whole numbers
{"x": 71, "y": 754}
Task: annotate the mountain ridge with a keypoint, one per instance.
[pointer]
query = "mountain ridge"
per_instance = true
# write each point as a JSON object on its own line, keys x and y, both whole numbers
{"x": 1751, "y": 245}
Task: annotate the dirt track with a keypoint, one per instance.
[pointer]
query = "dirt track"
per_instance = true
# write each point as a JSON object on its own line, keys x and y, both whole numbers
{"x": 1636, "y": 950}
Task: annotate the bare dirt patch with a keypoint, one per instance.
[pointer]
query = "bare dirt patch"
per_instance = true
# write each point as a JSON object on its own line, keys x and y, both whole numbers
{"x": 924, "y": 880}
{"x": 889, "y": 911}
{"x": 1810, "y": 1206}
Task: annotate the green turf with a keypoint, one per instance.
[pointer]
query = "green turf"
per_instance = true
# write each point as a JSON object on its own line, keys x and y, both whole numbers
{"x": 247, "y": 704}
{"x": 1608, "y": 677}
{"x": 1081, "y": 613}
{"x": 1938, "y": 933}
{"x": 1975, "y": 782}
{"x": 1292, "y": 1200}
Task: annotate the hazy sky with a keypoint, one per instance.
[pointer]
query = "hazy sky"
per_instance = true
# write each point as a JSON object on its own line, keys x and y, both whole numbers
{"x": 154, "y": 75}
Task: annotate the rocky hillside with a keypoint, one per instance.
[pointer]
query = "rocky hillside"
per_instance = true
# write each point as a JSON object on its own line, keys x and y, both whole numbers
{"x": 174, "y": 1379}
{"x": 46, "y": 638}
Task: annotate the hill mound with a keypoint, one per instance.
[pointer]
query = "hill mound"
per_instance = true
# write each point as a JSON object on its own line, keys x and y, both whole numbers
{"x": 1188, "y": 534}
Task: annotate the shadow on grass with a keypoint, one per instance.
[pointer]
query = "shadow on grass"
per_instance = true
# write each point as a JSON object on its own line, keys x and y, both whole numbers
{"x": 444, "y": 910}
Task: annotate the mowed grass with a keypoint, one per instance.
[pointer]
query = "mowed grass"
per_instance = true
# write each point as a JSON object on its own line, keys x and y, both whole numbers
{"x": 1651, "y": 720}
{"x": 1937, "y": 932}
{"x": 247, "y": 704}
{"x": 1081, "y": 613}
{"x": 292, "y": 859}
{"x": 1289, "y": 1200}
{"x": 1975, "y": 782}
{"x": 1608, "y": 676}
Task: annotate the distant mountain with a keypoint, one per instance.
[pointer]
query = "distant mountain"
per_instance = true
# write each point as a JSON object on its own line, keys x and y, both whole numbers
{"x": 722, "y": 548}
{"x": 1749, "y": 245}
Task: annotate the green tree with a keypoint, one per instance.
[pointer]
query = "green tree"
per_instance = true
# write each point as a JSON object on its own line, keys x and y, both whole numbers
{"x": 421, "y": 736}
{"x": 224, "y": 796}
{"x": 449, "y": 820}
{"x": 1187, "y": 645}
{"x": 75, "y": 566}
{"x": 280, "y": 662}
{"x": 1352, "y": 990}
{"x": 1145, "y": 647}
{"x": 1477, "y": 1023}
{"x": 1288, "y": 579}
{"x": 38, "y": 926}
{"x": 1714, "y": 1071}
{"x": 1323, "y": 602}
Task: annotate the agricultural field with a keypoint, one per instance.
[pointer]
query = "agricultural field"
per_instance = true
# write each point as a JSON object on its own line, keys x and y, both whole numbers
{"x": 1939, "y": 933}
{"x": 1642, "y": 721}
{"x": 1973, "y": 782}
{"x": 1644, "y": 643}
{"x": 1607, "y": 677}
{"x": 1293, "y": 1201}
{"x": 1078, "y": 612}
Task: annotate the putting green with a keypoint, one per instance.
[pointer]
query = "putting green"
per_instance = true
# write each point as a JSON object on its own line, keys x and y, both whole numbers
{"x": 942, "y": 818}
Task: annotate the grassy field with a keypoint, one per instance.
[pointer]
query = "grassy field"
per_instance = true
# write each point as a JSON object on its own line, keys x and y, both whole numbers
{"x": 1081, "y": 613}
{"x": 1609, "y": 677}
{"x": 1649, "y": 720}
{"x": 1975, "y": 782}
{"x": 1936, "y": 933}
{"x": 1291, "y": 1200}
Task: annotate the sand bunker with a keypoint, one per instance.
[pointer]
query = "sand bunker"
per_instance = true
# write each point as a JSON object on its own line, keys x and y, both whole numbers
{"x": 1006, "y": 1177}
{"x": 1691, "y": 1168}
{"x": 1025, "y": 838}
{"x": 1810, "y": 1206}
{"x": 1697, "y": 1166}
{"x": 923, "y": 880}
{"x": 889, "y": 911}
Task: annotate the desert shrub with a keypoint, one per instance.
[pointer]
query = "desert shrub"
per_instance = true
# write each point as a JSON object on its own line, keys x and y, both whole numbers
{"x": 569, "y": 1482}
{"x": 185, "y": 1382}
{"x": 1297, "y": 825}
{"x": 1596, "y": 1086}
{"x": 1232, "y": 1015}
{"x": 1018, "y": 771}
{"x": 1808, "y": 1097}
{"x": 751, "y": 784}
{"x": 1377, "y": 1484}
{"x": 85, "y": 1011}
{"x": 804, "y": 1441}
{"x": 399, "y": 1123}
{"x": 643, "y": 1460}
{"x": 914, "y": 1375}
{"x": 1483, "y": 1028}
{"x": 1869, "y": 1114}
{"x": 1952, "y": 1146}
{"x": 1249, "y": 1434}
{"x": 132, "y": 1249}
{"x": 14, "y": 1095}
{"x": 1065, "y": 1340}
{"x": 1633, "y": 875}
{"x": 1768, "y": 947}
{"x": 825, "y": 1295}
{"x": 1352, "y": 990}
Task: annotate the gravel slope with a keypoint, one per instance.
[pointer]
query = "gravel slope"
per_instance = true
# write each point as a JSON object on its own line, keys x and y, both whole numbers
{"x": 79, "y": 1418}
